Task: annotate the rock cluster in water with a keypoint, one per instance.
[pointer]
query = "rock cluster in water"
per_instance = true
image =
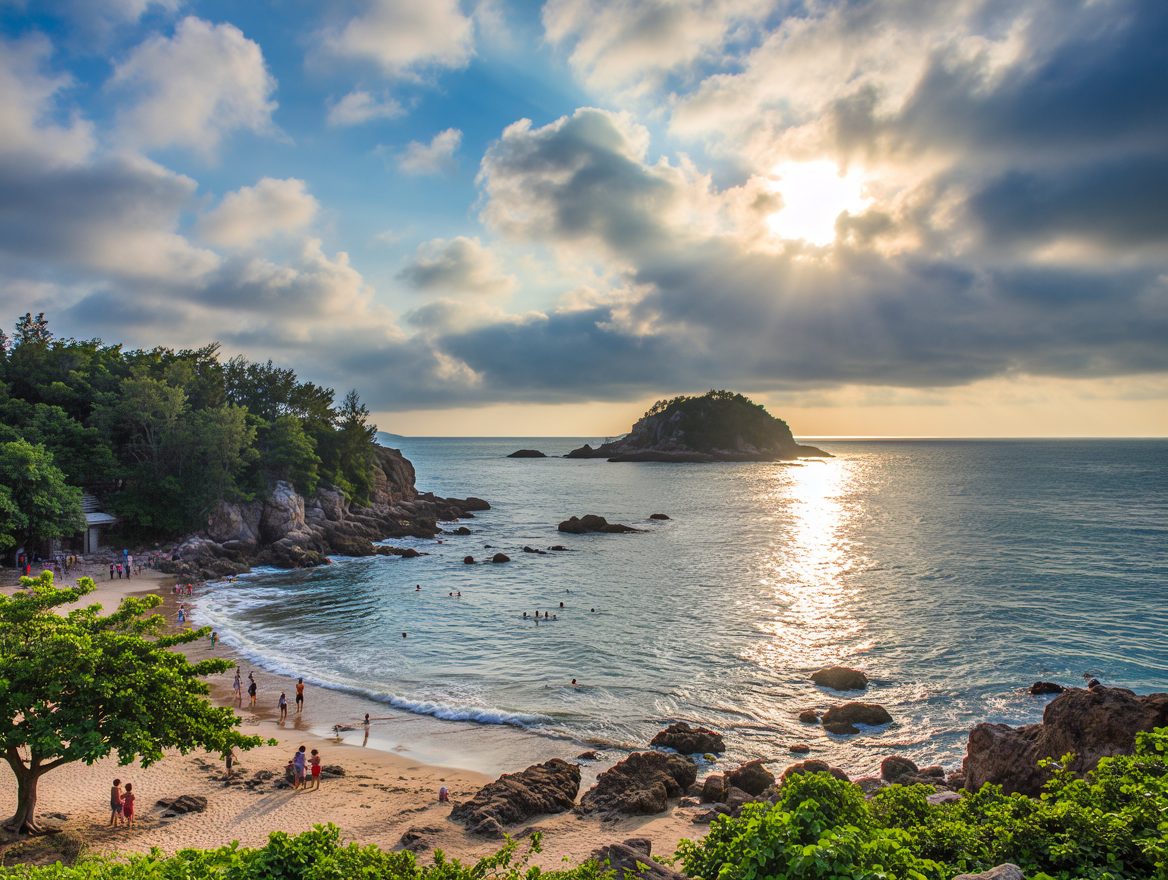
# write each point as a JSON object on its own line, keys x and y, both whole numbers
{"x": 718, "y": 426}
{"x": 286, "y": 530}
{"x": 527, "y": 453}
{"x": 592, "y": 523}
{"x": 688, "y": 740}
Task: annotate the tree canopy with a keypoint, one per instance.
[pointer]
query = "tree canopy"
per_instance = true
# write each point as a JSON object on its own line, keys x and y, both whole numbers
{"x": 162, "y": 435}
{"x": 35, "y": 501}
{"x": 82, "y": 685}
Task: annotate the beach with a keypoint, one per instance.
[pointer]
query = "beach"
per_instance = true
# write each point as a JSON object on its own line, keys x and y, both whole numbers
{"x": 386, "y": 791}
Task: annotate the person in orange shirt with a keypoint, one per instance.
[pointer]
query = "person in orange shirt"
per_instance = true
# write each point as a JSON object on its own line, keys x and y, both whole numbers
{"x": 299, "y": 695}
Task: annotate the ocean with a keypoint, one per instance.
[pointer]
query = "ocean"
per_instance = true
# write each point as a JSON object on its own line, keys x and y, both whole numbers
{"x": 954, "y": 573}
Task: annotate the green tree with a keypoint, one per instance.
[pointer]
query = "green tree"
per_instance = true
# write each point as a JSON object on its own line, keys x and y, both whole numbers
{"x": 79, "y": 686}
{"x": 33, "y": 331}
{"x": 288, "y": 453}
{"x": 38, "y": 505}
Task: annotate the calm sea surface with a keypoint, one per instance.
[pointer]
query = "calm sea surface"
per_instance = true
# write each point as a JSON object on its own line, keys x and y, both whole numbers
{"x": 954, "y": 572}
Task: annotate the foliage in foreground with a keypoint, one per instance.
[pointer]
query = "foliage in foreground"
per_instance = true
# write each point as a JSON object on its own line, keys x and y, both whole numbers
{"x": 1112, "y": 825}
{"x": 314, "y": 855}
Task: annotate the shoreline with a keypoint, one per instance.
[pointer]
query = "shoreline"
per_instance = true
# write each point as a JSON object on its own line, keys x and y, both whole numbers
{"x": 390, "y": 787}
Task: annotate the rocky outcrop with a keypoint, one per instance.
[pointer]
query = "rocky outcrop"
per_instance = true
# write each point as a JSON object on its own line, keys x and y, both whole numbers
{"x": 658, "y": 516}
{"x": 895, "y": 766}
{"x": 1042, "y": 688}
{"x": 688, "y": 740}
{"x": 809, "y": 716}
{"x": 592, "y": 523}
{"x": 813, "y": 766}
{"x": 527, "y": 453}
{"x": 515, "y": 797}
{"x": 632, "y": 860}
{"x": 752, "y": 777}
{"x": 857, "y": 713}
{"x": 840, "y": 678}
{"x": 641, "y": 784}
{"x": 1092, "y": 724}
{"x": 287, "y": 530}
{"x": 718, "y": 426}
{"x": 184, "y": 803}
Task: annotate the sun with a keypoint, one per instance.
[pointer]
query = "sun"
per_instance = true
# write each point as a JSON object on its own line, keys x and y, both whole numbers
{"x": 814, "y": 195}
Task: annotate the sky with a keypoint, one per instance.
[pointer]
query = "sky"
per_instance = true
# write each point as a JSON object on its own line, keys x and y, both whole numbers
{"x": 512, "y": 217}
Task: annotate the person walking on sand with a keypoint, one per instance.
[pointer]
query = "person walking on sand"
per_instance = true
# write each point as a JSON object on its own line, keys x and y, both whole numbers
{"x": 214, "y": 639}
{"x": 116, "y": 803}
{"x": 299, "y": 695}
{"x": 251, "y": 688}
{"x": 314, "y": 762}
{"x": 238, "y": 687}
{"x": 229, "y": 759}
{"x": 365, "y": 741}
{"x": 298, "y": 768}
{"x": 128, "y": 805}
{"x": 283, "y": 707}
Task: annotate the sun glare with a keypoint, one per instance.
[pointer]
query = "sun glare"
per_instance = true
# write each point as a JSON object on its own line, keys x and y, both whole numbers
{"x": 814, "y": 194}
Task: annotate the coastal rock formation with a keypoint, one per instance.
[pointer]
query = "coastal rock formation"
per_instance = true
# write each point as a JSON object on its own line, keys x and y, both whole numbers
{"x": 894, "y": 766}
{"x": 1093, "y": 724}
{"x": 527, "y": 453}
{"x": 688, "y": 740}
{"x": 752, "y": 777}
{"x": 500, "y": 557}
{"x": 813, "y": 766}
{"x": 641, "y": 784}
{"x": 286, "y": 530}
{"x": 1042, "y": 688}
{"x": 632, "y": 860}
{"x": 660, "y": 516}
{"x": 591, "y": 523}
{"x": 871, "y": 714}
{"x": 184, "y": 803}
{"x": 718, "y": 426}
{"x": 809, "y": 716}
{"x": 514, "y": 797}
{"x": 840, "y": 678}
{"x": 840, "y": 729}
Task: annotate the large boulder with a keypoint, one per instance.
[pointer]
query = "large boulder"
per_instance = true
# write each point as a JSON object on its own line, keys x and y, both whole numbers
{"x": 752, "y": 777}
{"x": 1093, "y": 724}
{"x": 515, "y": 797}
{"x": 592, "y": 523}
{"x": 283, "y": 513}
{"x": 235, "y": 523}
{"x": 641, "y": 784}
{"x": 632, "y": 860}
{"x": 1042, "y": 688}
{"x": 688, "y": 740}
{"x": 896, "y": 766}
{"x": 840, "y": 678}
{"x": 813, "y": 766}
{"x": 857, "y": 713}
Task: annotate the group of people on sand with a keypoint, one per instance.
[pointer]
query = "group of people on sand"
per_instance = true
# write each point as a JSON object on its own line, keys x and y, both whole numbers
{"x": 303, "y": 765}
{"x": 121, "y": 804}
{"x": 253, "y": 692}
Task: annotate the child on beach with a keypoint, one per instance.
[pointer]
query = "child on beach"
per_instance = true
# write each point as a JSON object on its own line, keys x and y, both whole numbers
{"x": 116, "y": 803}
{"x": 298, "y": 768}
{"x": 314, "y": 762}
{"x": 251, "y": 688}
{"x": 128, "y": 805}
{"x": 238, "y": 687}
{"x": 283, "y": 707}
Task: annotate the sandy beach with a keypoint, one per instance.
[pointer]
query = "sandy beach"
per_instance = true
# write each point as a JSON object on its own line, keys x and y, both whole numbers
{"x": 390, "y": 785}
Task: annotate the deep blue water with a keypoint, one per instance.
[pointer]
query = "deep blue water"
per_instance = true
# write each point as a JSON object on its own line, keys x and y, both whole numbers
{"x": 954, "y": 572}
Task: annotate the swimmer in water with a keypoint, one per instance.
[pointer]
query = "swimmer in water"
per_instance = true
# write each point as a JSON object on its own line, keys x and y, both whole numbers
{"x": 574, "y": 683}
{"x": 403, "y": 635}
{"x": 525, "y": 615}
{"x": 418, "y": 588}
{"x": 593, "y": 610}
{"x": 561, "y": 604}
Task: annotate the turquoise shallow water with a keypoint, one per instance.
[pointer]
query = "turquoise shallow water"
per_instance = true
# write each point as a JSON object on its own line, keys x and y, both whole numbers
{"x": 954, "y": 572}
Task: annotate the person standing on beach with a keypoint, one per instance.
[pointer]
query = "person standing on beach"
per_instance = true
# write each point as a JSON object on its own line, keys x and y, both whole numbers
{"x": 116, "y": 803}
{"x": 283, "y": 707}
{"x": 365, "y": 741}
{"x": 128, "y": 805}
{"x": 314, "y": 762}
{"x": 251, "y": 688}
{"x": 111, "y": 571}
{"x": 298, "y": 768}
{"x": 229, "y": 759}
{"x": 238, "y": 687}
{"x": 299, "y": 695}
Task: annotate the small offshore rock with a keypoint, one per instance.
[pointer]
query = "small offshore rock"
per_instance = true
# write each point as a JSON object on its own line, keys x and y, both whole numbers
{"x": 527, "y": 549}
{"x": 1042, "y": 688}
{"x": 1007, "y": 871}
{"x": 894, "y": 766}
{"x": 809, "y": 716}
{"x": 462, "y": 530}
{"x": 800, "y": 748}
{"x": 660, "y": 516}
{"x": 587, "y": 756}
{"x": 527, "y": 453}
{"x": 468, "y": 560}
{"x": 592, "y": 523}
{"x": 840, "y": 678}
{"x": 500, "y": 557}
{"x": 840, "y": 729}
{"x": 688, "y": 740}
{"x": 559, "y": 548}
{"x": 871, "y": 714}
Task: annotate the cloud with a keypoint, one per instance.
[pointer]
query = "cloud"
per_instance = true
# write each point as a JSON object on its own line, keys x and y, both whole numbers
{"x": 403, "y": 37}
{"x": 636, "y": 44}
{"x": 27, "y": 105}
{"x": 252, "y": 214}
{"x": 359, "y": 107}
{"x": 437, "y": 157}
{"x": 194, "y": 89}
{"x": 461, "y": 265}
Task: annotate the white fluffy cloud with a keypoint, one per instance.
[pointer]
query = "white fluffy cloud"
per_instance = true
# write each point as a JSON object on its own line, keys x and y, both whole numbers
{"x": 405, "y": 36}
{"x": 27, "y": 100}
{"x": 193, "y": 89}
{"x": 436, "y": 157}
{"x": 461, "y": 265}
{"x": 255, "y": 213}
{"x": 359, "y": 107}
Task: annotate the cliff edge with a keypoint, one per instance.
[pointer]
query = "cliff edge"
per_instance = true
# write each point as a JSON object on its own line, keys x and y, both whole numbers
{"x": 718, "y": 426}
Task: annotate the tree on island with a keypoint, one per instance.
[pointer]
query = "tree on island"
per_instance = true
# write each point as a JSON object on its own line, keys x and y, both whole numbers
{"x": 36, "y": 503}
{"x": 78, "y": 686}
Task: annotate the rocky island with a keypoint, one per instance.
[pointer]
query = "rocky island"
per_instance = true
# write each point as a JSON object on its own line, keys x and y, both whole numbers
{"x": 717, "y": 426}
